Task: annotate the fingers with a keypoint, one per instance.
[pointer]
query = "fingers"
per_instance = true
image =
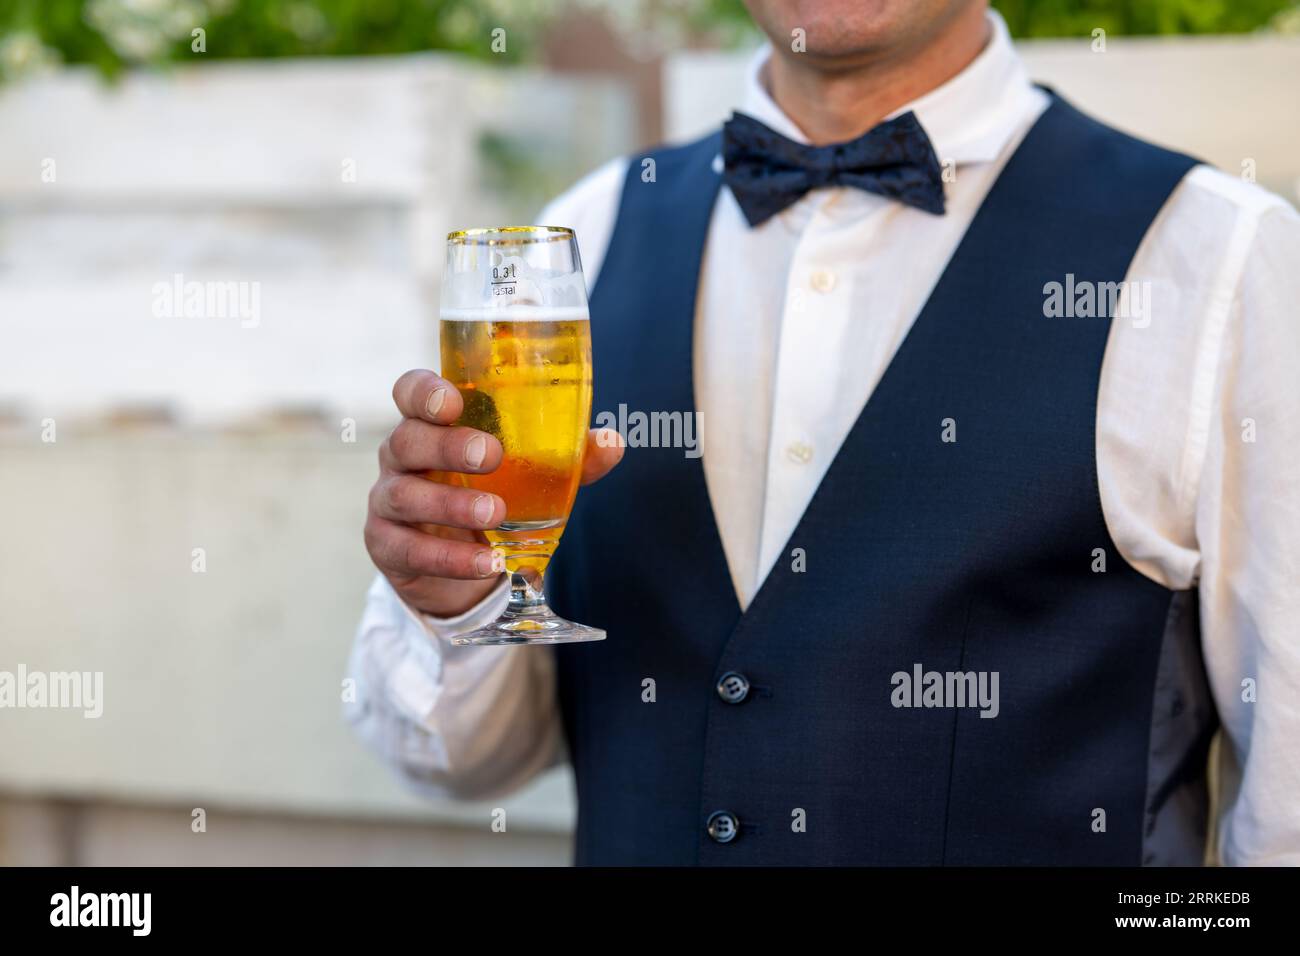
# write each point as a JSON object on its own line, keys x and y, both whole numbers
{"x": 405, "y": 552}
{"x": 412, "y": 499}
{"x": 424, "y": 395}
{"x": 604, "y": 450}
{"x": 416, "y": 445}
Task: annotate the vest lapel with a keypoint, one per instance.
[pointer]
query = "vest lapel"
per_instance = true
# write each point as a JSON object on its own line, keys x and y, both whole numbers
{"x": 647, "y": 369}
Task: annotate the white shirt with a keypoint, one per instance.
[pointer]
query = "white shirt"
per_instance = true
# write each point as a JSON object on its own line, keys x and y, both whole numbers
{"x": 1198, "y": 439}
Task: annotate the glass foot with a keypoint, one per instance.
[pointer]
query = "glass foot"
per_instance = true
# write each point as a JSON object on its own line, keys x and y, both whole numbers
{"x": 537, "y": 625}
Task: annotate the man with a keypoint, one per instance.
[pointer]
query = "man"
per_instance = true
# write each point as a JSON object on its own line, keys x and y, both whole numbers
{"x": 979, "y": 554}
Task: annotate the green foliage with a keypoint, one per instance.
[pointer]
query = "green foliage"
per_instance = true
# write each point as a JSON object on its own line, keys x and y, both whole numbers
{"x": 26, "y": 25}
{"x": 112, "y": 33}
{"x": 1052, "y": 18}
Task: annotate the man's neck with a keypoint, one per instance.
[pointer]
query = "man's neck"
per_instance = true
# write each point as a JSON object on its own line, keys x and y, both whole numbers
{"x": 832, "y": 103}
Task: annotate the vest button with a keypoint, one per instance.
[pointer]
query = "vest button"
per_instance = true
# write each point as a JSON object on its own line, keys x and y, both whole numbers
{"x": 733, "y": 687}
{"x": 722, "y": 826}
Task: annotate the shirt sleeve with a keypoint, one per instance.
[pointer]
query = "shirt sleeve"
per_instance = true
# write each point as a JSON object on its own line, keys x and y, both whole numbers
{"x": 1248, "y": 531}
{"x": 461, "y": 722}
{"x": 590, "y": 209}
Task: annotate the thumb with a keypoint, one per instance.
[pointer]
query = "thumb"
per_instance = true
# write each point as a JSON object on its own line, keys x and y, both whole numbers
{"x": 604, "y": 451}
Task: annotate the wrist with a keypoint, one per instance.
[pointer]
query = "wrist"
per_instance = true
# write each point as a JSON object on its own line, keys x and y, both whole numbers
{"x": 446, "y": 599}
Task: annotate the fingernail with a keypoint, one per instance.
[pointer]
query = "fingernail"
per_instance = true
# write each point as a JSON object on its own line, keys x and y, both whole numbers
{"x": 483, "y": 508}
{"x": 475, "y": 451}
{"x": 435, "y": 400}
{"x": 490, "y": 562}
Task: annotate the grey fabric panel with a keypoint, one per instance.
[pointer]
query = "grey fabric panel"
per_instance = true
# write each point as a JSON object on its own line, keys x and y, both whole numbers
{"x": 1183, "y": 722}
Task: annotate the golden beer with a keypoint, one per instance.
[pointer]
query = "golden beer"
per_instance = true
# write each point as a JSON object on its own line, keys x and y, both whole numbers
{"x": 525, "y": 377}
{"x": 516, "y": 341}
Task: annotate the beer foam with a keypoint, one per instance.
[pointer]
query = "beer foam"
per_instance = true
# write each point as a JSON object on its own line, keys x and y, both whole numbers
{"x": 518, "y": 313}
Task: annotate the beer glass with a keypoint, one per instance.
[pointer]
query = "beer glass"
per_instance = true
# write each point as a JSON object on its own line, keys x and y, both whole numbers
{"x": 515, "y": 340}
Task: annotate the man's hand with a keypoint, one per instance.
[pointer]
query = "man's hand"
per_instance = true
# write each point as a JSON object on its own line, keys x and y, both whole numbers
{"x": 425, "y": 536}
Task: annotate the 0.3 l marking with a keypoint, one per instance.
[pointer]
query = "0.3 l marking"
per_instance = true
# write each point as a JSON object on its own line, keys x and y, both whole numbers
{"x": 503, "y": 279}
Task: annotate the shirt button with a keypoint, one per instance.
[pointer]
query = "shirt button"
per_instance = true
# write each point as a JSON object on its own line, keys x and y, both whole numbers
{"x": 733, "y": 687}
{"x": 722, "y": 826}
{"x": 822, "y": 280}
{"x": 799, "y": 452}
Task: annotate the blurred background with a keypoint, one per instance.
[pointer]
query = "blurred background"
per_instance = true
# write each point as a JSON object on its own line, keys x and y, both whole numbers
{"x": 182, "y": 492}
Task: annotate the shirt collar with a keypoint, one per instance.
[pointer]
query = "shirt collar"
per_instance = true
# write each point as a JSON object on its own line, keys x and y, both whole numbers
{"x": 969, "y": 119}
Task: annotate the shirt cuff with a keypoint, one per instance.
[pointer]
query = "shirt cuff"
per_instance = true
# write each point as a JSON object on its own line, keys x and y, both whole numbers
{"x": 415, "y": 681}
{"x": 443, "y": 629}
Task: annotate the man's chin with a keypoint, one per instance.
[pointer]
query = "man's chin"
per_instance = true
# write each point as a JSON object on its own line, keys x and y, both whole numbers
{"x": 839, "y": 34}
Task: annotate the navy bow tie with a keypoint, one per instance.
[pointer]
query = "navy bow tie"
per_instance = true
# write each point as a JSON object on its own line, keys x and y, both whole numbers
{"x": 768, "y": 172}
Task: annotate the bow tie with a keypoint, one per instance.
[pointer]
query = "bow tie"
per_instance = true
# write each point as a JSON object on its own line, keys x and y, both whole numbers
{"x": 768, "y": 172}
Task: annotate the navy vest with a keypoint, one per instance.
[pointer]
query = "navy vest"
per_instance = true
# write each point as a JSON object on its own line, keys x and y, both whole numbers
{"x": 967, "y": 556}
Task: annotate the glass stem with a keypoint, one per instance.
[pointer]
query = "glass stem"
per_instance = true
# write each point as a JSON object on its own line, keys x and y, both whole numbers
{"x": 526, "y": 592}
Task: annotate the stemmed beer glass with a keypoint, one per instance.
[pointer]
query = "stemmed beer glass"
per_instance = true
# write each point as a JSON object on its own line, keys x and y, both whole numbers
{"x": 516, "y": 341}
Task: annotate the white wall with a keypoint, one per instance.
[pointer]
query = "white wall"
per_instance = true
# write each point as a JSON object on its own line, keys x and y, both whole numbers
{"x": 236, "y": 172}
{"x": 221, "y": 688}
